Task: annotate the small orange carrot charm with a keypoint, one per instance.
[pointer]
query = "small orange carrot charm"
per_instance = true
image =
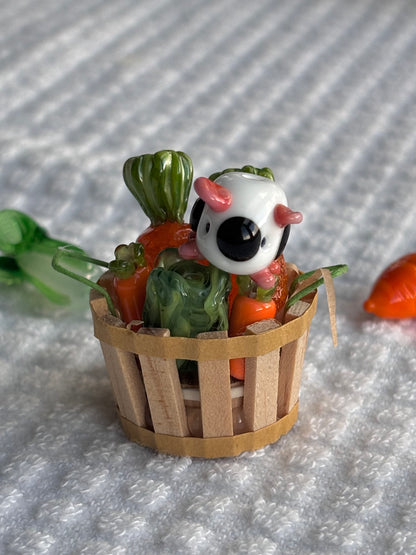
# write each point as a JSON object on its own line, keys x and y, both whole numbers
{"x": 246, "y": 311}
{"x": 129, "y": 282}
{"x": 394, "y": 292}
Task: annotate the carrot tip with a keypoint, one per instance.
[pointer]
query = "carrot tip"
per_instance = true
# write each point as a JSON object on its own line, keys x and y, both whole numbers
{"x": 369, "y": 305}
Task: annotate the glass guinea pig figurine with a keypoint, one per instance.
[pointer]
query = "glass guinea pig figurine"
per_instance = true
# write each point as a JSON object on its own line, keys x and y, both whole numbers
{"x": 241, "y": 223}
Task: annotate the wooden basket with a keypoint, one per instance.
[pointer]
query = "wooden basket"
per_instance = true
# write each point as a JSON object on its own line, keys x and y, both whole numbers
{"x": 220, "y": 418}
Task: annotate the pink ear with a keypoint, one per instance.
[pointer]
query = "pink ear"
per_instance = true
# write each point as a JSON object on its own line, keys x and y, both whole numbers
{"x": 217, "y": 197}
{"x": 284, "y": 216}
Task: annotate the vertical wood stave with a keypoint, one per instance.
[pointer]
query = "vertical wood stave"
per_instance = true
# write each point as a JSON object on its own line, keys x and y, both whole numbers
{"x": 261, "y": 382}
{"x": 127, "y": 384}
{"x": 291, "y": 363}
{"x": 164, "y": 393}
{"x": 215, "y": 391}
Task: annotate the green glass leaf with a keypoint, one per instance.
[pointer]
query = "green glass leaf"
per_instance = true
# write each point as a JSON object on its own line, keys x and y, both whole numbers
{"x": 335, "y": 271}
{"x": 75, "y": 256}
{"x": 18, "y": 232}
{"x": 161, "y": 183}
{"x": 263, "y": 172}
{"x": 168, "y": 257}
{"x": 30, "y": 252}
{"x": 249, "y": 288}
{"x": 10, "y": 272}
{"x": 122, "y": 268}
{"x": 133, "y": 252}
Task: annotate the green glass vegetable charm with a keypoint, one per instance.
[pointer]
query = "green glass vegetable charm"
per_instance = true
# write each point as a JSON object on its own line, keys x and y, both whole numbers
{"x": 187, "y": 298}
{"x": 28, "y": 251}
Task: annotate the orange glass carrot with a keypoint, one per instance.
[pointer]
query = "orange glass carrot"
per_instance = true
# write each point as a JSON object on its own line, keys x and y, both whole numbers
{"x": 159, "y": 237}
{"x": 394, "y": 292}
{"x": 161, "y": 183}
{"x": 130, "y": 278}
{"x": 246, "y": 311}
{"x": 279, "y": 269}
{"x": 131, "y": 294}
{"x": 249, "y": 304}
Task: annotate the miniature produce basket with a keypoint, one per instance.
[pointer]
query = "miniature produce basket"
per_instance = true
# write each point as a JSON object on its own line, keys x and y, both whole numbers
{"x": 221, "y": 417}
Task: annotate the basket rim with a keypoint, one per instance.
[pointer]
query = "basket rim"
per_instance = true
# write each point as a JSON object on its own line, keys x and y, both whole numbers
{"x": 113, "y": 331}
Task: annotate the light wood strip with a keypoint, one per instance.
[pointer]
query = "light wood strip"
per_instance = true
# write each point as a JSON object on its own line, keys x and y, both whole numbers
{"x": 215, "y": 390}
{"x": 261, "y": 382}
{"x": 163, "y": 390}
{"x": 291, "y": 363}
{"x": 127, "y": 384}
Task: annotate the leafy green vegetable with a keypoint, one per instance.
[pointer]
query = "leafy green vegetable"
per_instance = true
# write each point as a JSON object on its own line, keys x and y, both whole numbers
{"x": 161, "y": 183}
{"x": 264, "y": 172}
{"x": 187, "y": 298}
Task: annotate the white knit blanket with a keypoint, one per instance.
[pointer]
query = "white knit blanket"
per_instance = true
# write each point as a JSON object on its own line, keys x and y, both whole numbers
{"x": 322, "y": 92}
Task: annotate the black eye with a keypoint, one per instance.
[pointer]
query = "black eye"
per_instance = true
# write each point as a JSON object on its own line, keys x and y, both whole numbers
{"x": 196, "y": 214}
{"x": 207, "y": 227}
{"x": 263, "y": 242}
{"x": 238, "y": 238}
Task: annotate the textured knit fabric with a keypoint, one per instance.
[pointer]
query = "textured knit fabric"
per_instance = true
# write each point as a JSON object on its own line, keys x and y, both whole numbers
{"x": 323, "y": 92}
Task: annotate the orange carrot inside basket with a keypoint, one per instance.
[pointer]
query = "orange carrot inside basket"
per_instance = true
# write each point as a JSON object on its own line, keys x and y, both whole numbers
{"x": 246, "y": 311}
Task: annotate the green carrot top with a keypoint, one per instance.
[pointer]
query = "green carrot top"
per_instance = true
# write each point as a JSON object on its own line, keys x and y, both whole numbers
{"x": 264, "y": 172}
{"x": 161, "y": 183}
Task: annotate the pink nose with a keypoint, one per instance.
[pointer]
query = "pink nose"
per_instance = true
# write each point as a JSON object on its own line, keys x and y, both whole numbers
{"x": 284, "y": 216}
{"x": 217, "y": 197}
